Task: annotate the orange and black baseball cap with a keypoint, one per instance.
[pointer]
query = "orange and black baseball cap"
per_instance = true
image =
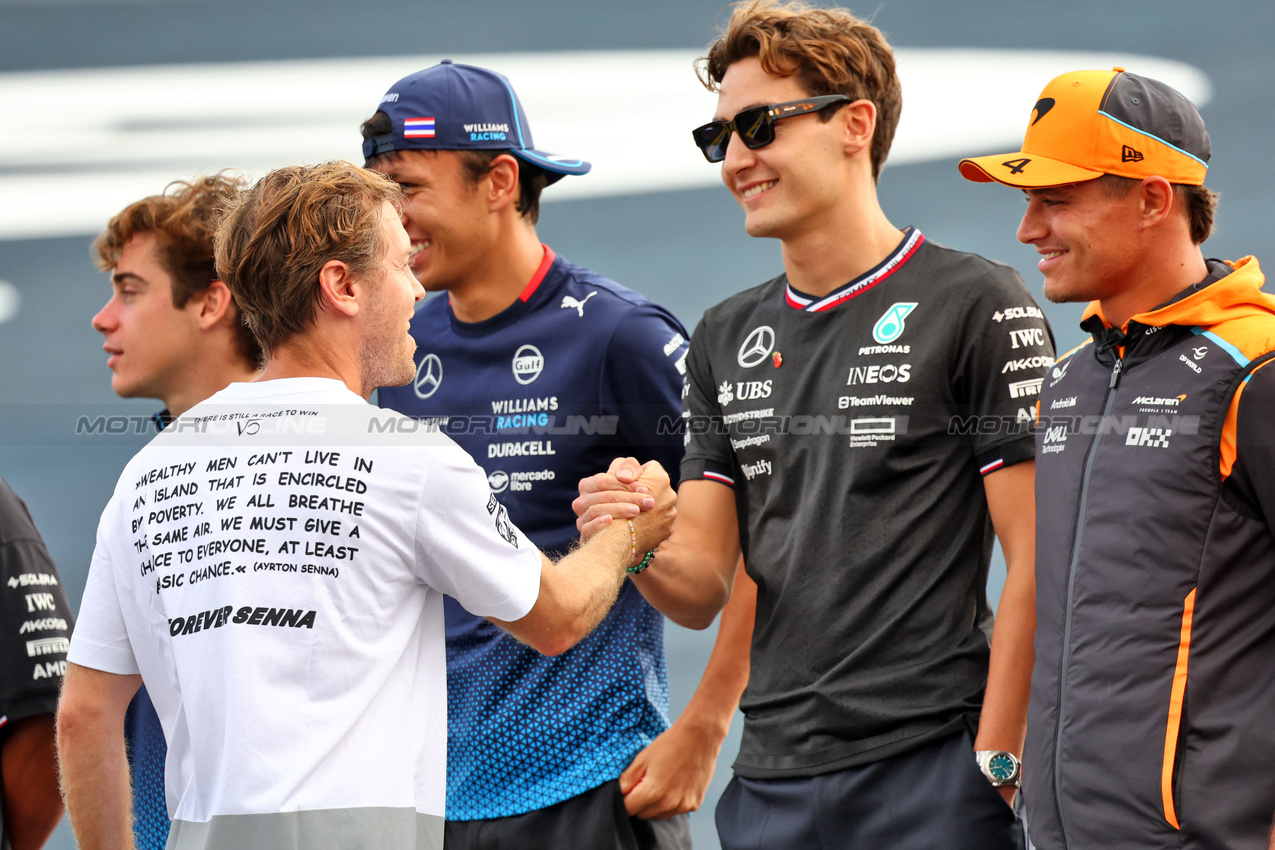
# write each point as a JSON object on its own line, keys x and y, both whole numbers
{"x": 1090, "y": 123}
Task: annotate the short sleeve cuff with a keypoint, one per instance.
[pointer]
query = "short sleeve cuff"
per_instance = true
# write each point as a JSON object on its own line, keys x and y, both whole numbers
{"x": 521, "y": 589}
{"x": 1006, "y": 454}
{"x": 699, "y": 469}
{"x": 97, "y": 656}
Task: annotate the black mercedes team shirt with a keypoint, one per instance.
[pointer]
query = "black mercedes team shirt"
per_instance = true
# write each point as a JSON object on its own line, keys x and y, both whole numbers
{"x": 855, "y": 430}
{"x": 35, "y": 621}
{"x": 35, "y": 617}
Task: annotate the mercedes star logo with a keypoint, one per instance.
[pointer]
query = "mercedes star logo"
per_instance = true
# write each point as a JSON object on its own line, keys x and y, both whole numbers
{"x": 757, "y": 347}
{"x": 428, "y": 376}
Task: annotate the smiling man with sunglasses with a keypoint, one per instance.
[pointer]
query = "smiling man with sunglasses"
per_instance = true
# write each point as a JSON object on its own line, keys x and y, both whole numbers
{"x": 856, "y": 432}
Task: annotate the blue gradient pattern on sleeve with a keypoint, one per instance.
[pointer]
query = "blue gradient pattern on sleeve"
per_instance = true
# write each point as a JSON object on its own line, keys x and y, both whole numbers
{"x": 147, "y": 751}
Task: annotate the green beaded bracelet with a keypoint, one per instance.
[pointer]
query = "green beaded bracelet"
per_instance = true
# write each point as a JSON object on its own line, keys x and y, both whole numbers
{"x": 646, "y": 562}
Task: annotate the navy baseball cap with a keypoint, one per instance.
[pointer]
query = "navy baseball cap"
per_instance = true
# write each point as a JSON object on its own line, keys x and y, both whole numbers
{"x": 459, "y": 107}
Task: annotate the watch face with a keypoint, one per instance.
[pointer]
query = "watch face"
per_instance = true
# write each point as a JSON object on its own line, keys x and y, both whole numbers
{"x": 1001, "y": 767}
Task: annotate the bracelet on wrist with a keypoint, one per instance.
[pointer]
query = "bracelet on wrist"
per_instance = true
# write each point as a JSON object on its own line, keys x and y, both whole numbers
{"x": 633, "y": 569}
{"x": 646, "y": 562}
{"x": 632, "y": 543}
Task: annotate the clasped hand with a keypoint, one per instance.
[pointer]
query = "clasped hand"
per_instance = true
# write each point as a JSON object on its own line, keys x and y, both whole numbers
{"x": 628, "y": 490}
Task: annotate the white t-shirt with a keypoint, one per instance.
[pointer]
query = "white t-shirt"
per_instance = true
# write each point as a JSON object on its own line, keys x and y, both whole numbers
{"x": 272, "y": 564}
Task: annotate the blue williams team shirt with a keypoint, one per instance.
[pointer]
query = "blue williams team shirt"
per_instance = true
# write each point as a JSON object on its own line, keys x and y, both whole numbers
{"x": 147, "y": 750}
{"x": 579, "y": 370}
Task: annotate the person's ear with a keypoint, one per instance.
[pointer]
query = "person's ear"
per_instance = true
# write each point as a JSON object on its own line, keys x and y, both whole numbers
{"x": 502, "y": 182}
{"x": 1156, "y": 200}
{"x": 859, "y": 122}
{"x": 337, "y": 287}
{"x": 214, "y": 304}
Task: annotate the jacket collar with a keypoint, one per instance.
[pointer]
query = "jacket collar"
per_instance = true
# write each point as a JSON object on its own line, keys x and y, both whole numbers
{"x": 1230, "y": 291}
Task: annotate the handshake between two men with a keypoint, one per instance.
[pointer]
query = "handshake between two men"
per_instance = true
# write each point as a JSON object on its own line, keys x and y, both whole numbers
{"x": 623, "y": 514}
{"x": 628, "y": 491}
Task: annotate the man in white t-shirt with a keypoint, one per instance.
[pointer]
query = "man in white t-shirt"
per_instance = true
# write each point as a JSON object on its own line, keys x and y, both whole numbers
{"x": 273, "y": 564}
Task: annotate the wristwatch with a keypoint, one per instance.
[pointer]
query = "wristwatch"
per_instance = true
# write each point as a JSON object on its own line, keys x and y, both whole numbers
{"x": 1000, "y": 768}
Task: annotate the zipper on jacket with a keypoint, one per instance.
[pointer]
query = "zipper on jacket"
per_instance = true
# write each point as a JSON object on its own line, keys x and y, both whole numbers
{"x": 1071, "y": 586}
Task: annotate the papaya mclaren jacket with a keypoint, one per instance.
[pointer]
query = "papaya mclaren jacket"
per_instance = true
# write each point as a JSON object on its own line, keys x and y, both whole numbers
{"x": 1152, "y": 715}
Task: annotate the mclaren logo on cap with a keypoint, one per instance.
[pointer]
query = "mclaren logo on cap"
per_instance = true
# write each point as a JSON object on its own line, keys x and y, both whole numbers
{"x": 1128, "y": 154}
{"x": 1042, "y": 106}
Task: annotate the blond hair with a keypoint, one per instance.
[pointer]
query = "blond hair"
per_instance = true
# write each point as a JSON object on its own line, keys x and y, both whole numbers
{"x": 276, "y": 236}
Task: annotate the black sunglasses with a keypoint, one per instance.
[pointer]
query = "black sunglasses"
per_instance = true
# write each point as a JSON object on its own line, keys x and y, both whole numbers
{"x": 756, "y": 126}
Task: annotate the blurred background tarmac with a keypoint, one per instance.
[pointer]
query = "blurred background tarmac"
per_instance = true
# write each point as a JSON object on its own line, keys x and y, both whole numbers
{"x": 103, "y": 101}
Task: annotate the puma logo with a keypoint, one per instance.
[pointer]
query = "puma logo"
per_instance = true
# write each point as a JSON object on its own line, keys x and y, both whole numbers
{"x": 568, "y": 301}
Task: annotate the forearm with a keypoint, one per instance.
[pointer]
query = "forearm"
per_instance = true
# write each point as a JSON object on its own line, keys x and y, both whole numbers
{"x": 96, "y": 787}
{"x": 687, "y": 584}
{"x": 691, "y": 577}
{"x": 1004, "y": 717}
{"x": 590, "y": 578}
{"x": 32, "y": 802}
{"x": 575, "y": 592}
{"x": 93, "y": 765}
{"x": 716, "y": 699}
{"x": 672, "y": 774}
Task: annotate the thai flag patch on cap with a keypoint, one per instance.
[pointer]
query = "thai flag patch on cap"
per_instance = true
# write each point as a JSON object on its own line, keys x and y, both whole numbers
{"x": 418, "y": 128}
